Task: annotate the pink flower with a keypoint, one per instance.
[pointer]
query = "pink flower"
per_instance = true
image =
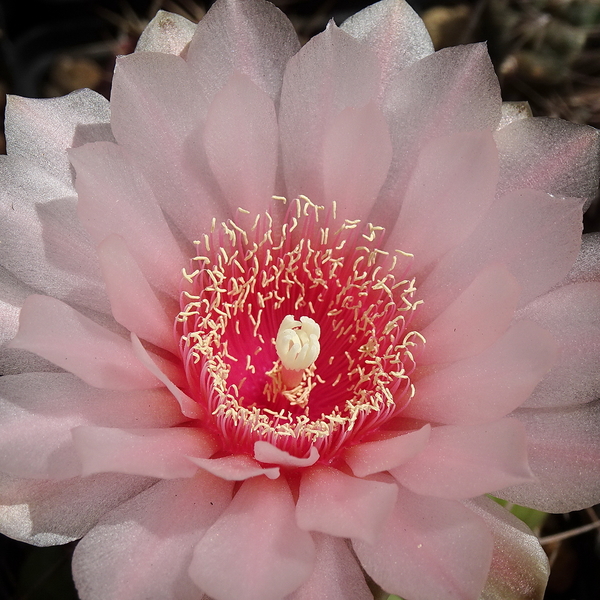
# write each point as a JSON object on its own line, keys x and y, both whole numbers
{"x": 384, "y": 315}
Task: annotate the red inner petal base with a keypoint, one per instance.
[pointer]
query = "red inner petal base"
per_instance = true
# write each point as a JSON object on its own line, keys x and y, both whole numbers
{"x": 242, "y": 286}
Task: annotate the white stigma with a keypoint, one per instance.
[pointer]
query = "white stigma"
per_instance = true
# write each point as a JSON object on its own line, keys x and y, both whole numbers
{"x": 297, "y": 342}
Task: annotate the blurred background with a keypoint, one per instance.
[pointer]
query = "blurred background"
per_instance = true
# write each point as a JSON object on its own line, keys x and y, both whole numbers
{"x": 546, "y": 52}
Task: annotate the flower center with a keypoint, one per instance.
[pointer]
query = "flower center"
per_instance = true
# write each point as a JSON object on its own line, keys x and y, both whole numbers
{"x": 326, "y": 379}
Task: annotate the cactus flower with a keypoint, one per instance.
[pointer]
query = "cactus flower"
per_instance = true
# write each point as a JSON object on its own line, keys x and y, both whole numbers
{"x": 277, "y": 319}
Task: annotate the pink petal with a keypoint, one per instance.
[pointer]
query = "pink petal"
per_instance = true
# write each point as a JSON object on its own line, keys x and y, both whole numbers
{"x": 477, "y": 389}
{"x": 536, "y": 236}
{"x": 144, "y": 108}
{"x": 235, "y": 468}
{"x": 38, "y": 411}
{"x": 160, "y": 131}
{"x": 159, "y": 452}
{"x": 430, "y": 548}
{"x": 356, "y": 157}
{"x": 373, "y": 457}
{"x": 48, "y": 513}
{"x": 343, "y": 506}
{"x": 267, "y": 453}
{"x": 241, "y": 139}
{"x": 41, "y": 130}
{"x": 12, "y": 295}
{"x": 36, "y": 208}
{"x": 252, "y": 37}
{"x": 564, "y": 454}
{"x": 333, "y": 71}
{"x": 394, "y": 31}
{"x": 520, "y": 566}
{"x": 168, "y": 377}
{"x": 154, "y": 534}
{"x": 462, "y": 461}
{"x": 571, "y": 314}
{"x": 60, "y": 334}
{"x": 476, "y": 319}
{"x": 255, "y": 550}
{"x": 447, "y": 92}
{"x": 452, "y": 184}
{"x": 587, "y": 265}
{"x": 446, "y": 78}
{"x": 336, "y": 576}
{"x": 12, "y": 361}
{"x": 168, "y": 33}
{"x": 551, "y": 155}
{"x": 115, "y": 198}
{"x": 134, "y": 304}
{"x": 15, "y": 362}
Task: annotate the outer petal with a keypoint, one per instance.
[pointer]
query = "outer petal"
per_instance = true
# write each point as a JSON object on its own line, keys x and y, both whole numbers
{"x": 587, "y": 265}
{"x": 520, "y": 566}
{"x": 160, "y": 452}
{"x": 41, "y": 130}
{"x": 468, "y": 460}
{"x": 253, "y": 37}
{"x": 155, "y": 534}
{"x": 336, "y": 576}
{"x": 12, "y": 295}
{"x": 38, "y": 411}
{"x": 564, "y": 454}
{"x": 114, "y": 198}
{"x": 394, "y": 31}
{"x": 60, "y": 334}
{"x": 43, "y": 243}
{"x": 551, "y": 155}
{"x": 168, "y": 33}
{"x": 474, "y": 320}
{"x": 144, "y": 109}
{"x": 160, "y": 131}
{"x": 333, "y": 71}
{"x": 430, "y": 548}
{"x": 13, "y": 361}
{"x": 241, "y": 139}
{"x": 476, "y": 389}
{"x": 255, "y": 550}
{"x": 343, "y": 506}
{"x": 536, "y": 236}
{"x": 450, "y": 91}
{"x": 47, "y": 513}
{"x": 452, "y": 185}
{"x": 37, "y": 170}
{"x": 571, "y": 314}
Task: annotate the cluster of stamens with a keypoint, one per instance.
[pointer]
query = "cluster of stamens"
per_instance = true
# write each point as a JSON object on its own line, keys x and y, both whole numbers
{"x": 297, "y": 334}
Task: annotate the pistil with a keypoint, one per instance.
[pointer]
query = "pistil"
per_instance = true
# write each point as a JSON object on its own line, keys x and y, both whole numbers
{"x": 298, "y": 347}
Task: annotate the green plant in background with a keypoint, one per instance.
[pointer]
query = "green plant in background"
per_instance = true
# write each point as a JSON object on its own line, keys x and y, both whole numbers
{"x": 548, "y": 50}
{"x": 545, "y": 51}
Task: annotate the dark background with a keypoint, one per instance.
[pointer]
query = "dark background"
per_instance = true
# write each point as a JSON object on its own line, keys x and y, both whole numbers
{"x": 545, "y": 51}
